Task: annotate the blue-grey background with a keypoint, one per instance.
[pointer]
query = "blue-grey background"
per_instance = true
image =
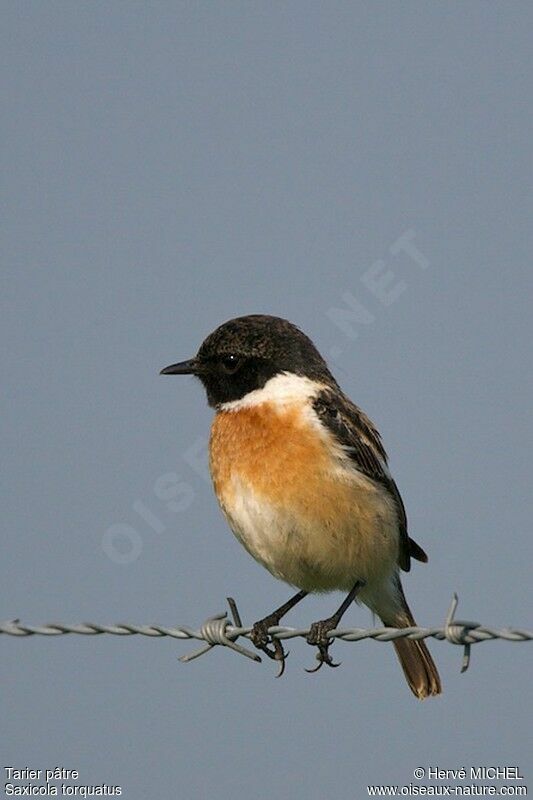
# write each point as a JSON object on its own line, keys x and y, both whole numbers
{"x": 167, "y": 166}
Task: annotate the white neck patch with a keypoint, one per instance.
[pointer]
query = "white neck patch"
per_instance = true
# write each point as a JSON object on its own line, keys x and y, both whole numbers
{"x": 281, "y": 389}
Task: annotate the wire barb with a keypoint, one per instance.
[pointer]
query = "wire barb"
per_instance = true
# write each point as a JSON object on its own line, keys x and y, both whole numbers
{"x": 457, "y": 630}
{"x": 218, "y": 630}
{"x": 215, "y": 631}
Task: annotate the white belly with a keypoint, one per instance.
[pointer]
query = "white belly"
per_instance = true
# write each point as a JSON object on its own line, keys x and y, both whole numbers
{"x": 324, "y": 551}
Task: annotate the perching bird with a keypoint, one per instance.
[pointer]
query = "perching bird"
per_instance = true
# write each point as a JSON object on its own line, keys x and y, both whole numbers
{"x": 301, "y": 476}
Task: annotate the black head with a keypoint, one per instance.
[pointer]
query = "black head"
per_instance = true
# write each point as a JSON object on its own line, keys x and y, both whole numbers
{"x": 244, "y": 353}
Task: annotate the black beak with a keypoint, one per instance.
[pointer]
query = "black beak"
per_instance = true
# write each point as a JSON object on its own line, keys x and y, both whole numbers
{"x": 183, "y": 368}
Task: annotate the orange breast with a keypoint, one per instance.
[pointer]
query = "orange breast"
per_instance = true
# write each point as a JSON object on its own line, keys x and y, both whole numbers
{"x": 310, "y": 520}
{"x": 279, "y": 454}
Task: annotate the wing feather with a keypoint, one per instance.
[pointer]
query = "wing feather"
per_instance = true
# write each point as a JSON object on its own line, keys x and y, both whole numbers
{"x": 361, "y": 440}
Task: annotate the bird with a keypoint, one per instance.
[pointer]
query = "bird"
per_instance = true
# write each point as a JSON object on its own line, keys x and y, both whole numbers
{"x": 302, "y": 478}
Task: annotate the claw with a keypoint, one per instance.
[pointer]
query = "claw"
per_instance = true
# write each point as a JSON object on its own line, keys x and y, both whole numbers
{"x": 279, "y": 655}
{"x": 268, "y": 652}
{"x": 323, "y": 657}
{"x": 318, "y": 632}
{"x": 262, "y": 640}
{"x": 318, "y": 636}
{"x": 314, "y": 669}
{"x": 282, "y": 661}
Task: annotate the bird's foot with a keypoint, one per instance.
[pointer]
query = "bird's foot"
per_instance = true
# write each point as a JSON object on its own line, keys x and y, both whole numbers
{"x": 318, "y": 637}
{"x": 270, "y": 646}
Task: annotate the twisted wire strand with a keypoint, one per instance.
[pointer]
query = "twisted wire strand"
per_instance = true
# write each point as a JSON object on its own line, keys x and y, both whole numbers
{"x": 218, "y": 630}
{"x": 471, "y": 635}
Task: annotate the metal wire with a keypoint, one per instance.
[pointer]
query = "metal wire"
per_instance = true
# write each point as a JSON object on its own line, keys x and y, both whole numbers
{"x": 218, "y": 630}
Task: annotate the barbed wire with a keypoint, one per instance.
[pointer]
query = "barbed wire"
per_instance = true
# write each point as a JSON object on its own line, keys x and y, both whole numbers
{"x": 219, "y": 630}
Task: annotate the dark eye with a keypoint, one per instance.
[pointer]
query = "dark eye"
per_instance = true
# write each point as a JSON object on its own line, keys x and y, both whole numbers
{"x": 230, "y": 364}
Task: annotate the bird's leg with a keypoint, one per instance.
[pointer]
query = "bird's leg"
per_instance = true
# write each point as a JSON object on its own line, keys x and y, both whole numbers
{"x": 318, "y": 633}
{"x": 260, "y": 636}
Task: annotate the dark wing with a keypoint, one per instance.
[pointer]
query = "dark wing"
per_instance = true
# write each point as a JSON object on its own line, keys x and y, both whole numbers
{"x": 356, "y": 433}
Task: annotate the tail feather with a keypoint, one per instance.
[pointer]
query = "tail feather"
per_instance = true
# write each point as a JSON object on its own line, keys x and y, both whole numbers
{"x": 415, "y": 659}
{"x": 419, "y": 668}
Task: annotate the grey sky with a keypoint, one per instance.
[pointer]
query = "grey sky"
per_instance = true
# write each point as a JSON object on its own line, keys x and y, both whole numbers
{"x": 166, "y": 166}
